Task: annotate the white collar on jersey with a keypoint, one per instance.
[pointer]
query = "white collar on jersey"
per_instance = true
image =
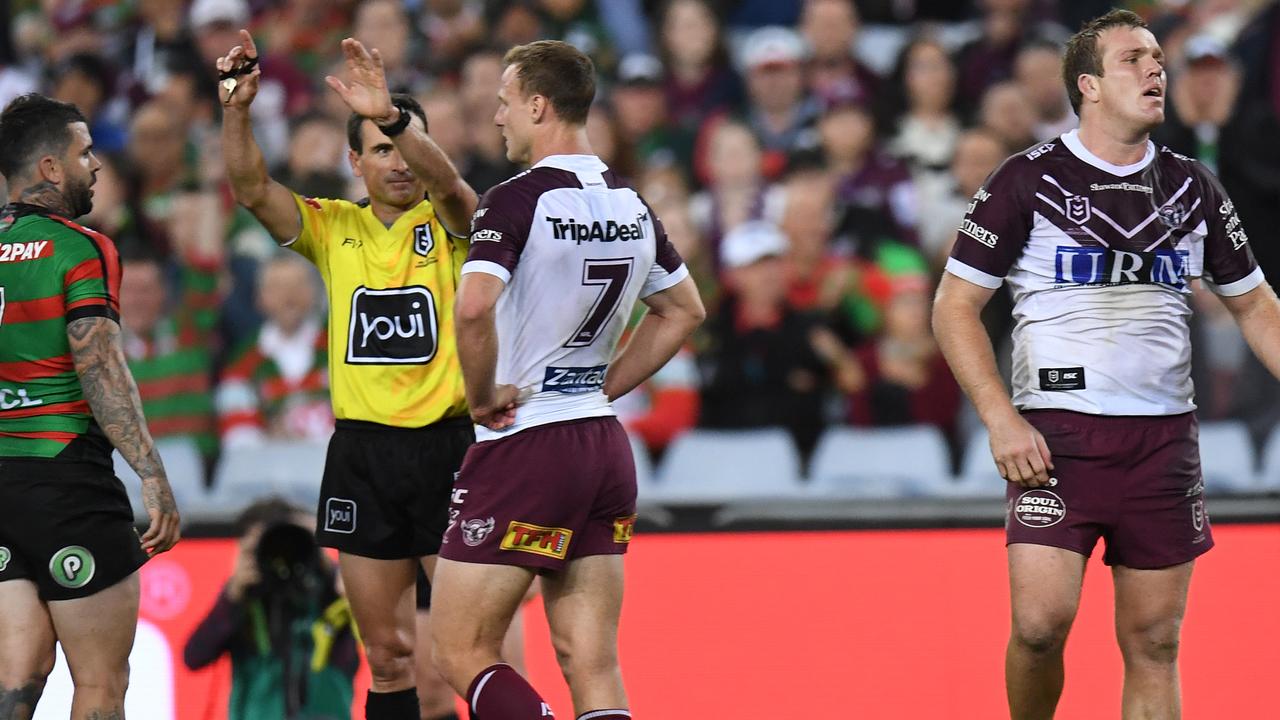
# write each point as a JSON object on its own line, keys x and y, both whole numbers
{"x": 1077, "y": 148}
{"x": 574, "y": 163}
{"x": 588, "y": 168}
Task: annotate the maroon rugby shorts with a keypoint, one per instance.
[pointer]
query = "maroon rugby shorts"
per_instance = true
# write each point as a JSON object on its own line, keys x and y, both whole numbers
{"x": 1134, "y": 481}
{"x": 544, "y": 496}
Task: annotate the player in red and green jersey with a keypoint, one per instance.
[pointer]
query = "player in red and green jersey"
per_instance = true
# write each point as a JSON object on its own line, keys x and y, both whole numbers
{"x": 68, "y": 551}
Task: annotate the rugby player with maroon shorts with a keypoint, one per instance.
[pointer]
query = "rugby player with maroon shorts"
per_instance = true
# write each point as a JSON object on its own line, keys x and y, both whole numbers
{"x": 1099, "y": 234}
{"x": 559, "y": 255}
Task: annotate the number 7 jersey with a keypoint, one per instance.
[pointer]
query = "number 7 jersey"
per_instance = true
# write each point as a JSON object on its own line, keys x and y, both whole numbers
{"x": 576, "y": 249}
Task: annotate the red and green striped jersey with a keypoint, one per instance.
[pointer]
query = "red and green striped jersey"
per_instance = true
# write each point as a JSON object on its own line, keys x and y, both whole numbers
{"x": 52, "y": 271}
{"x": 173, "y": 365}
{"x": 258, "y": 399}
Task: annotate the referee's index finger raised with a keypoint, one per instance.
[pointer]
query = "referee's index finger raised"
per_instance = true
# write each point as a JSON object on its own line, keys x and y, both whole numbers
{"x": 246, "y": 40}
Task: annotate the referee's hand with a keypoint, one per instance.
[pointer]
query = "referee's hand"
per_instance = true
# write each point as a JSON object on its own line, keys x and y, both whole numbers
{"x": 501, "y": 413}
{"x": 163, "y": 533}
{"x": 365, "y": 91}
{"x": 1020, "y": 452}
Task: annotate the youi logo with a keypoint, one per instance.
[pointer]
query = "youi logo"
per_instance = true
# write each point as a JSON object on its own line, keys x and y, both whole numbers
{"x": 396, "y": 326}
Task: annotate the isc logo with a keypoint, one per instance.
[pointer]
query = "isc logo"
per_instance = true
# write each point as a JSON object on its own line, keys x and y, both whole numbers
{"x": 392, "y": 327}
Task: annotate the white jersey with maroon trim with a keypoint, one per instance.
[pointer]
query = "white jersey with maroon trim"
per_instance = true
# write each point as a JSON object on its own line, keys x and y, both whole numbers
{"x": 576, "y": 249}
{"x": 1099, "y": 259}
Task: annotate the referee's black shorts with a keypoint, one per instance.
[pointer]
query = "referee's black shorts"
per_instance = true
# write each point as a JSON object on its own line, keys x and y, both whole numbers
{"x": 386, "y": 490}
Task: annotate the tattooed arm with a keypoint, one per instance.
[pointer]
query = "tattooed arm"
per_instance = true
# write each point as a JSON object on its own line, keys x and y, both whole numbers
{"x": 113, "y": 397}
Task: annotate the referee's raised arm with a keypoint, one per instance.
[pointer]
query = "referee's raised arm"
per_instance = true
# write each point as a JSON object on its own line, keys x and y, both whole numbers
{"x": 268, "y": 200}
{"x": 365, "y": 92}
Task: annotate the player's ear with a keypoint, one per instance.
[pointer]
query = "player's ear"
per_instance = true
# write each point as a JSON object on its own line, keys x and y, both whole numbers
{"x": 353, "y": 157}
{"x": 1088, "y": 86}
{"x": 537, "y": 108}
{"x": 49, "y": 168}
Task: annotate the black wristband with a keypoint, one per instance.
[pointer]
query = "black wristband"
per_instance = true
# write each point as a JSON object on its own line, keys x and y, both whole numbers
{"x": 399, "y": 125}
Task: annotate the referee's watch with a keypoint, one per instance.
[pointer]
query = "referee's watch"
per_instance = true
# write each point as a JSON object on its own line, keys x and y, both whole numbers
{"x": 399, "y": 125}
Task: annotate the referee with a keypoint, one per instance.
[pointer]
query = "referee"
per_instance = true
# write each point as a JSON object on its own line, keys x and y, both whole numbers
{"x": 391, "y": 266}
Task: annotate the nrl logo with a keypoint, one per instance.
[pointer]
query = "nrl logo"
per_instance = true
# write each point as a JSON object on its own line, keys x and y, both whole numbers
{"x": 1054, "y": 375}
{"x": 1078, "y": 209}
{"x": 475, "y": 530}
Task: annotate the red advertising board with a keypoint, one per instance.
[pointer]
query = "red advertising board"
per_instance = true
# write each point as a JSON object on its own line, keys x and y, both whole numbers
{"x": 866, "y": 624}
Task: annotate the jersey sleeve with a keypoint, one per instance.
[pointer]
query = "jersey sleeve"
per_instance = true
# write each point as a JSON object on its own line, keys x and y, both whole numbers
{"x": 996, "y": 226}
{"x": 318, "y": 216}
{"x": 91, "y": 275}
{"x": 668, "y": 267}
{"x": 1229, "y": 265}
{"x": 499, "y": 230}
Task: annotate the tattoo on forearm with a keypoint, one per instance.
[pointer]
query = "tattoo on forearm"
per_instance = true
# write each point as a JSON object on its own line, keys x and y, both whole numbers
{"x": 20, "y": 703}
{"x": 46, "y": 195}
{"x": 113, "y": 397}
{"x": 112, "y": 714}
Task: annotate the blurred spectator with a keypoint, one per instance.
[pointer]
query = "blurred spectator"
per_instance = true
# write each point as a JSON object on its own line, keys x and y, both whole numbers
{"x": 779, "y": 109}
{"x": 1202, "y": 100}
{"x": 282, "y": 91}
{"x": 817, "y": 276}
{"x": 978, "y": 153}
{"x": 831, "y": 29}
{"x": 316, "y": 163}
{"x": 1005, "y": 26}
{"x": 736, "y": 190}
{"x": 1006, "y": 113}
{"x": 641, "y": 113}
{"x": 277, "y": 386}
{"x": 161, "y": 41}
{"x": 1038, "y": 71}
{"x": 763, "y": 366}
{"x": 906, "y": 381}
{"x": 451, "y": 28}
{"x": 924, "y": 122}
{"x": 604, "y": 29}
{"x": 875, "y": 194}
{"x": 284, "y": 622}
{"x": 88, "y": 82}
{"x": 700, "y": 82}
{"x": 384, "y": 25}
{"x": 606, "y": 141}
{"x": 161, "y": 164}
{"x": 481, "y": 74}
{"x": 305, "y": 31}
{"x": 114, "y": 214}
{"x": 170, "y": 345}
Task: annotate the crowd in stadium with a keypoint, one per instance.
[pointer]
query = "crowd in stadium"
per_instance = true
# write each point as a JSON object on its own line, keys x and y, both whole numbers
{"x": 811, "y": 160}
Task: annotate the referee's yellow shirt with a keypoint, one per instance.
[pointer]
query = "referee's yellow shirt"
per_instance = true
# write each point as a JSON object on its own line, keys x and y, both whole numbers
{"x": 393, "y": 354}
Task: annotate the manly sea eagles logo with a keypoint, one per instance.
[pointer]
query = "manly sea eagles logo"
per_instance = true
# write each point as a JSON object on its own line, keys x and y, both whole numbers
{"x": 1078, "y": 210}
{"x": 1172, "y": 215}
{"x": 475, "y": 530}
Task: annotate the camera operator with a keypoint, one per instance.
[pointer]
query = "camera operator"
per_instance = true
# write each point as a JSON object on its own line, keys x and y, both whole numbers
{"x": 283, "y": 621}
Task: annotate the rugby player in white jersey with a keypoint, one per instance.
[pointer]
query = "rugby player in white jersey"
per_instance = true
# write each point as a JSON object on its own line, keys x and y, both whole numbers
{"x": 559, "y": 255}
{"x": 1099, "y": 234}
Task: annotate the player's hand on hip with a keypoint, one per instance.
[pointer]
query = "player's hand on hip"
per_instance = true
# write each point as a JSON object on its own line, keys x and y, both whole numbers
{"x": 238, "y": 89}
{"x": 501, "y": 413}
{"x": 1020, "y": 452}
{"x": 164, "y": 531}
{"x": 365, "y": 91}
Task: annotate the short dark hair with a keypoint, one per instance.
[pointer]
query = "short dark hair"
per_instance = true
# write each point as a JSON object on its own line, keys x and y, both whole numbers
{"x": 1082, "y": 57}
{"x": 558, "y": 71}
{"x": 32, "y": 126}
{"x": 266, "y": 511}
{"x": 401, "y": 100}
